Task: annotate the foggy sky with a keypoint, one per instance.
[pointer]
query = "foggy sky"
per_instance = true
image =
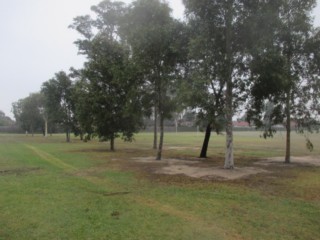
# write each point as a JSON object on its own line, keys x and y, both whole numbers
{"x": 36, "y": 43}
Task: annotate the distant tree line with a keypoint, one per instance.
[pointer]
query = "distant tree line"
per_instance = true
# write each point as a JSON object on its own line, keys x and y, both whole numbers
{"x": 7, "y": 125}
{"x": 5, "y": 120}
{"x": 261, "y": 57}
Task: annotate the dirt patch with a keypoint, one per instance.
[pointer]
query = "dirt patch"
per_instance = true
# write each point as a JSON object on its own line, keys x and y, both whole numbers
{"x": 198, "y": 169}
{"x": 170, "y": 161}
{"x": 182, "y": 148}
{"x": 208, "y": 170}
{"x": 18, "y": 171}
{"x": 110, "y": 194}
{"x": 303, "y": 160}
{"x": 213, "y": 172}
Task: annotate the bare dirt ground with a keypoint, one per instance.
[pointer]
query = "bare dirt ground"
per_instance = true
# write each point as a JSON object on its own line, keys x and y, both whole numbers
{"x": 197, "y": 168}
{"x": 302, "y": 160}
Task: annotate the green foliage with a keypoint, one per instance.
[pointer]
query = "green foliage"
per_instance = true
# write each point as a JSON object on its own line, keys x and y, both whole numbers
{"x": 58, "y": 101}
{"x": 219, "y": 61}
{"x": 281, "y": 74}
{"x": 108, "y": 94}
{"x": 269, "y": 75}
{"x": 153, "y": 36}
{"x": 313, "y": 80}
{"x": 5, "y": 120}
{"x": 28, "y": 112}
{"x": 82, "y": 107}
{"x": 155, "y": 39}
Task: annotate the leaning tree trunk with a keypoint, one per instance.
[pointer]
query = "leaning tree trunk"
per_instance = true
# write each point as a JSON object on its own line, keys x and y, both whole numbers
{"x": 229, "y": 161}
{"x": 159, "y": 153}
{"x": 288, "y": 127}
{"x": 205, "y": 144}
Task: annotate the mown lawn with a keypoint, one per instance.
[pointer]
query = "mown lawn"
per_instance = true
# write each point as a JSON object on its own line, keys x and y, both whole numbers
{"x": 53, "y": 190}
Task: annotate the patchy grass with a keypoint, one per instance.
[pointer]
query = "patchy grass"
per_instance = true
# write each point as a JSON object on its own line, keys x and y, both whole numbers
{"x": 54, "y": 190}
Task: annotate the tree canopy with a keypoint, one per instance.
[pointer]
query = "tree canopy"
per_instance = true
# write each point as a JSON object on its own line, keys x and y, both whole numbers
{"x": 28, "y": 112}
{"x": 5, "y": 120}
{"x": 262, "y": 56}
{"x": 281, "y": 74}
{"x": 154, "y": 37}
{"x": 109, "y": 80}
{"x": 58, "y": 101}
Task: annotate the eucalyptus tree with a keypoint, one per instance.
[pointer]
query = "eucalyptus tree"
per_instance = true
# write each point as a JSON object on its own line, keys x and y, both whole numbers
{"x": 203, "y": 87}
{"x": 154, "y": 37}
{"x": 221, "y": 48}
{"x": 58, "y": 101}
{"x": 27, "y": 112}
{"x": 110, "y": 80}
{"x": 281, "y": 72}
{"x": 205, "y": 96}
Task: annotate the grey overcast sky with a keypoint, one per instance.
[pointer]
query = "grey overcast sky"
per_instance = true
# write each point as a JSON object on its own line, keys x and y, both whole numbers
{"x": 36, "y": 42}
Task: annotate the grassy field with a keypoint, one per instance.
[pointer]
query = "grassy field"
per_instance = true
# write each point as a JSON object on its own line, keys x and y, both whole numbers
{"x": 53, "y": 190}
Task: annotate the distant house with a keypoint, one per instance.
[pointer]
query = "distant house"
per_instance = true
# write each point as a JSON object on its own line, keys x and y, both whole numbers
{"x": 241, "y": 124}
{"x": 293, "y": 124}
{"x": 185, "y": 123}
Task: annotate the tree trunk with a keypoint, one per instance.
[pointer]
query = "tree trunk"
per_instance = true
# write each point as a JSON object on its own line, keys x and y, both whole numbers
{"x": 288, "y": 100}
{"x": 176, "y": 123}
{"x": 159, "y": 154}
{"x": 68, "y": 135}
{"x": 155, "y": 129}
{"x": 229, "y": 161}
{"x": 288, "y": 127}
{"x": 112, "y": 144}
{"x": 45, "y": 127}
{"x": 205, "y": 144}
